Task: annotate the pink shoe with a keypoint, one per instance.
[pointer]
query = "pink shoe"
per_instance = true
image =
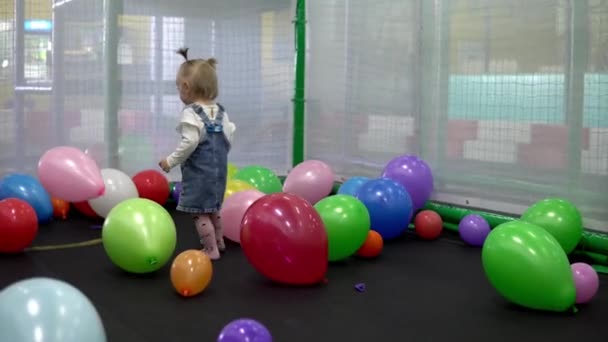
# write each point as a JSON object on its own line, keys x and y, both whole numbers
{"x": 221, "y": 245}
{"x": 213, "y": 253}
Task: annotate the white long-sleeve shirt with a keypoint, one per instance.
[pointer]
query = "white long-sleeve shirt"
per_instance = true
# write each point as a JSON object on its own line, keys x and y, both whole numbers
{"x": 192, "y": 131}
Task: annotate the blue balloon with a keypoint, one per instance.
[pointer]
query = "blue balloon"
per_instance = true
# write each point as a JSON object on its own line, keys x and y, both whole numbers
{"x": 49, "y": 310}
{"x": 389, "y": 205}
{"x": 29, "y": 189}
{"x": 351, "y": 185}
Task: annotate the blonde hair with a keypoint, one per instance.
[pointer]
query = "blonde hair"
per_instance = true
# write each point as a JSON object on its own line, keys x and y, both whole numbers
{"x": 201, "y": 75}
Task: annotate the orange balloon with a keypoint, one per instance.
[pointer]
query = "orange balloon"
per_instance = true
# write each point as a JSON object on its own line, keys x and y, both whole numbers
{"x": 191, "y": 272}
{"x": 61, "y": 208}
{"x": 372, "y": 247}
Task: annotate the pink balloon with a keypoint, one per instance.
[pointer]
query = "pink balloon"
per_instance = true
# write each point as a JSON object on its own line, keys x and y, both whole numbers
{"x": 234, "y": 209}
{"x": 68, "y": 173}
{"x": 586, "y": 282}
{"x": 311, "y": 180}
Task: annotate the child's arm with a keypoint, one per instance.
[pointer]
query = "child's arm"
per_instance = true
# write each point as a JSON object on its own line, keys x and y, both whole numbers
{"x": 229, "y": 128}
{"x": 190, "y": 135}
{"x": 189, "y": 141}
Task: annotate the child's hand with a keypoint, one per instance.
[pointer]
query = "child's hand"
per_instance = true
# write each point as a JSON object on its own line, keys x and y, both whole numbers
{"x": 164, "y": 165}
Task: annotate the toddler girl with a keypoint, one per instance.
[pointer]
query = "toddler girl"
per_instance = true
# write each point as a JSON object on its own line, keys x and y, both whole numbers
{"x": 206, "y": 138}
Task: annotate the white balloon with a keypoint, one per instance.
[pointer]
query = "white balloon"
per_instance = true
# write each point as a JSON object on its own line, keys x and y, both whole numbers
{"x": 119, "y": 187}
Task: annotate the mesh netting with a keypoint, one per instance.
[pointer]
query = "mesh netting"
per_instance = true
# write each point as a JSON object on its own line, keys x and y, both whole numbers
{"x": 361, "y": 95}
{"x": 501, "y": 97}
{"x": 506, "y": 99}
{"x": 253, "y": 43}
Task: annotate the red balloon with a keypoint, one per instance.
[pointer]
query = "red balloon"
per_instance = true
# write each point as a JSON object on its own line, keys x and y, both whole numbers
{"x": 19, "y": 225}
{"x": 85, "y": 209}
{"x": 428, "y": 225}
{"x": 152, "y": 185}
{"x": 284, "y": 238}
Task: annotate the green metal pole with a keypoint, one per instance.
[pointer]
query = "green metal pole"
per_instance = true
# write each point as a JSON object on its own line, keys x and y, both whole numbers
{"x": 300, "y": 83}
{"x": 111, "y": 84}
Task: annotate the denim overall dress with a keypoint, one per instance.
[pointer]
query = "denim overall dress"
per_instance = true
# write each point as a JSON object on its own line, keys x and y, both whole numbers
{"x": 204, "y": 173}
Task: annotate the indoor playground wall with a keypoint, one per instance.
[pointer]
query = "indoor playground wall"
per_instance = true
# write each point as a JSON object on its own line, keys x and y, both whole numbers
{"x": 507, "y": 100}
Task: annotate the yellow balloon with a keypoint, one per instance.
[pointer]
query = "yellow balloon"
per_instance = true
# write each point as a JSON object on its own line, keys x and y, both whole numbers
{"x": 232, "y": 170}
{"x": 235, "y": 185}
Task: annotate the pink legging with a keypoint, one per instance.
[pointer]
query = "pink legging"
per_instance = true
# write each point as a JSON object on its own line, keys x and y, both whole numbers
{"x": 210, "y": 232}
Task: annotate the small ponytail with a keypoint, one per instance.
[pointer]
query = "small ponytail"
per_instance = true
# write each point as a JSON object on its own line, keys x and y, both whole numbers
{"x": 212, "y": 62}
{"x": 183, "y": 52}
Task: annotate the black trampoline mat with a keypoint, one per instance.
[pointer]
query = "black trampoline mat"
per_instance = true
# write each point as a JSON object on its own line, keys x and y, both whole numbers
{"x": 416, "y": 291}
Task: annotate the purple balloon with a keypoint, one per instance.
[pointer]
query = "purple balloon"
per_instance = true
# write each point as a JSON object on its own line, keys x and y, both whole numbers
{"x": 177, "y": 190}
{"x": 473, "y": 229}
{"x": 414, "y": 175}
{"x": 586, "y": 282}
{"x": 245, "y": 330}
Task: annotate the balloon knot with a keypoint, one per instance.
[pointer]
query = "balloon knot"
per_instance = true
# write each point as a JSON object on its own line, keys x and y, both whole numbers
{"x": 152, "y": 261}
{"x": 360, "y": 287}
{"x": 574, "y": 309}
{"x": 185, "y": 293}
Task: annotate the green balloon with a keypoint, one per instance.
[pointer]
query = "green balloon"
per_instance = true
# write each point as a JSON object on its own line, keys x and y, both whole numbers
{"x": 347, "y": 223}
{"x": 261, "y": 178}
{"x": 139, "y": 235}
{"x": 528, "y": 267}
{"x": 560, "y": 218}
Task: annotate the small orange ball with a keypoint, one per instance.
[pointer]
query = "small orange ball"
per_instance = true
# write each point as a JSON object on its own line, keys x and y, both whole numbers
{"x": 61, "y": 208}
{"x": 372, "y": 247}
